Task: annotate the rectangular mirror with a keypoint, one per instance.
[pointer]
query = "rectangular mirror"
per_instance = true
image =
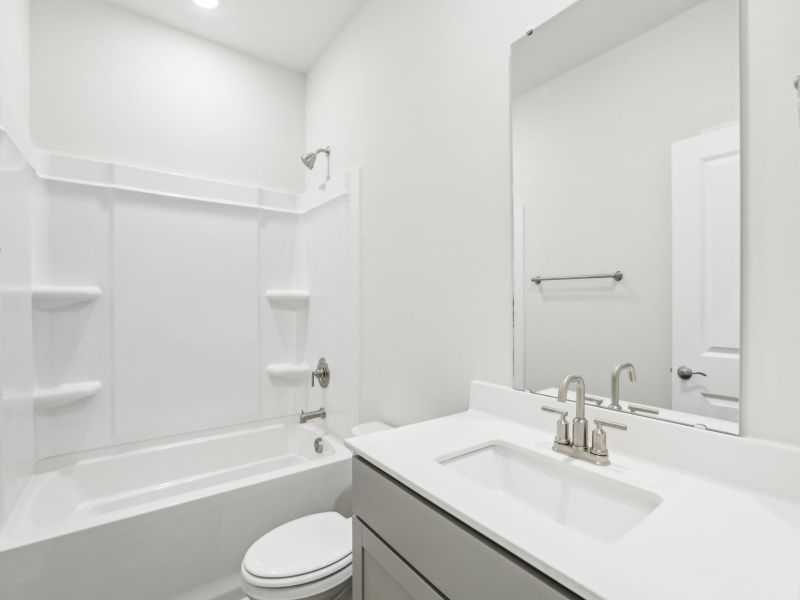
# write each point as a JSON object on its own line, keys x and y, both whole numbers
{"x": 626, "y": 182}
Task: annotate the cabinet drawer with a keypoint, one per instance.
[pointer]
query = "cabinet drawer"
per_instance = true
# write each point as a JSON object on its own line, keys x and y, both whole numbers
{"x": 455, "y": 559}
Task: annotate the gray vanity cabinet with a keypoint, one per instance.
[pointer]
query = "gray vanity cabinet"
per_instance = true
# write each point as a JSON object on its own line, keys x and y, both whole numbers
{"x": 380, "y": 573}
{"x": 405, "y": 548}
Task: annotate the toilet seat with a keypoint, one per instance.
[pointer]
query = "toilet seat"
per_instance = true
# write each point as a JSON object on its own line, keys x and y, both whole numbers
{"x": 300, "y": 559}
{"x": 330, "y": 587}
{"x": 284, "y": 582}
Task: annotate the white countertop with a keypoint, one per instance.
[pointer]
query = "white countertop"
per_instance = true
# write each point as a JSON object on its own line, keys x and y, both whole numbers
{"x": 709, "y": 537}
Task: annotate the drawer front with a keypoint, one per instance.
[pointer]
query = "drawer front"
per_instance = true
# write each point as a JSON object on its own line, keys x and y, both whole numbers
{"x": 380, "y": 574}
{"x": 456, "y": 560}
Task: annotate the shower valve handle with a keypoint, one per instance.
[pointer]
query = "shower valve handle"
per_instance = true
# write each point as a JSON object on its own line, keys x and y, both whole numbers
{"x": 322, "y": 373}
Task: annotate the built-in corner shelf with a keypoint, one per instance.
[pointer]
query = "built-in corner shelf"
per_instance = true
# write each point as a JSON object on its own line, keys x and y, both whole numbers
{"x": 289, "y": 371}
{"x": 50, "y": 297}
{"x": 288, "y": 299}
{"x": 61, "y": 395}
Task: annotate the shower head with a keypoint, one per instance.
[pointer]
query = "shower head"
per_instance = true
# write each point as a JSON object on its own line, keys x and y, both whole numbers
{"x": 310, "y": 159}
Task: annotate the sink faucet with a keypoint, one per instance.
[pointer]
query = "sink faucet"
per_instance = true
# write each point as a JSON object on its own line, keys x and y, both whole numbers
{"x": 579, "y": 435}
{"x": 615, "y": 375}
{"x": 578, "y": 447}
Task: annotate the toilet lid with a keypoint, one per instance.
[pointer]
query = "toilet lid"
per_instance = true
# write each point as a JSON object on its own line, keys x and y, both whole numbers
{"x": 301, "y": 546}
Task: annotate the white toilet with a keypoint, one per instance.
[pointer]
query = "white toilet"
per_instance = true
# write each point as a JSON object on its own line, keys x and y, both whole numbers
{"x": 309, "y": 558}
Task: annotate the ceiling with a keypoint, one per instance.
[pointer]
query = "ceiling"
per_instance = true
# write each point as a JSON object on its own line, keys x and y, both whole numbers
{"x": 291, "y": 33}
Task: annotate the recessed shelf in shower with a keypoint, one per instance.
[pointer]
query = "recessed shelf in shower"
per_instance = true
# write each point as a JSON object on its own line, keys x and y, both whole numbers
{"x": 51, "y": 297}
{"x": 288, "y": 299}
{"x": 289, "y": 371}
{"x": 67, "y": 393}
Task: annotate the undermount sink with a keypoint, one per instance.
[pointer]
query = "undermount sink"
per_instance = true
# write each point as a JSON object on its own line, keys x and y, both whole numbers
{"x": 591, "y": 503}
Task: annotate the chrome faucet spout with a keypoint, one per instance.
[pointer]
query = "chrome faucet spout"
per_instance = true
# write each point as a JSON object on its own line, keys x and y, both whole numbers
{"x": 615, "y": 375}
{"x": 580, "y": 436}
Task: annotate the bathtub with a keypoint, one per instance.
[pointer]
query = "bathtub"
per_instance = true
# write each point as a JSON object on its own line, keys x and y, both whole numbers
{"x": 165, "y": 520}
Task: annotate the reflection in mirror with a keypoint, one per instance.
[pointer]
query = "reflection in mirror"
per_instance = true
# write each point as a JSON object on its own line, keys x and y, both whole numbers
{"x": 627, "y": 208}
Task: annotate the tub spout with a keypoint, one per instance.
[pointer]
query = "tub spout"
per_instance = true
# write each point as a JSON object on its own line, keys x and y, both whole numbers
{"x": 305, "y": 417}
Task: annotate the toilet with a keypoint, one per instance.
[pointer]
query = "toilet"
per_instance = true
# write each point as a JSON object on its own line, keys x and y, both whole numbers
{"x": 309, "y": 558}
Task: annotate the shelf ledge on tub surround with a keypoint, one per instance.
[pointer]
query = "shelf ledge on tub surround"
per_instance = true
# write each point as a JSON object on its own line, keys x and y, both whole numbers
{"x": 289, "y": 370}
{"x": 82, "y": 171}
{"x": 49, "y": 297}
{"x": 288, "y": 299}
{"x": 67, "y": 393}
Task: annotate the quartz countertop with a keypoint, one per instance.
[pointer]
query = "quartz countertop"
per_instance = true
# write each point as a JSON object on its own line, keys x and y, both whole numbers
{"x": 715, "y": 534}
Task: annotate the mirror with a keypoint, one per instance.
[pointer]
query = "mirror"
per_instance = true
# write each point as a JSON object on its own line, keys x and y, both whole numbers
{"x": 626, "y": 183}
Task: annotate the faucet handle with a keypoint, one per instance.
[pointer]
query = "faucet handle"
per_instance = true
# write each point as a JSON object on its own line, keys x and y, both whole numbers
{"x": 596, "y": 400}
{"x": 599, "y": 447}
{"x": 635, "y": 408}
{"x": 562, "y": 426}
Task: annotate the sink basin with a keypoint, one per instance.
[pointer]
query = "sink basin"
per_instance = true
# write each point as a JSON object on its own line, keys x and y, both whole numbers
{"x": 591, "y": 503}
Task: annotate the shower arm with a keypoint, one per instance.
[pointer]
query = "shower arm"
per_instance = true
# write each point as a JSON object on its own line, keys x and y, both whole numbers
{"x": 327, "y": 153}
{"x": 797, "y": 89}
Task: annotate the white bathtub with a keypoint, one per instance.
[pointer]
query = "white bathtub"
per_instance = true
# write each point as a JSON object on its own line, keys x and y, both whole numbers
{"x": 166, "y": 520}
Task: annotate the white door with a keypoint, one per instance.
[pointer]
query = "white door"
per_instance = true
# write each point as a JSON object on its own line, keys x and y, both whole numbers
{"x": 706, "y": 273}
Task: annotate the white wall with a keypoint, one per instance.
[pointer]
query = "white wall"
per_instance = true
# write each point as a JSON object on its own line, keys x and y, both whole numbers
{"x": 17, "y": 187}
{"x": 111, "y": 85}
{"x": 16, "y": 354}
{"x": 592, "y": 165}
{"x": 417, "y": 93}
{"x": 770, "y": 352}
{"x": 15, "y": 57}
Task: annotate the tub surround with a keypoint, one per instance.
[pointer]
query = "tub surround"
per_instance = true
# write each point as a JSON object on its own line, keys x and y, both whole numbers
{"x": 126, "y": 259}
{"x": 726, "y": 510}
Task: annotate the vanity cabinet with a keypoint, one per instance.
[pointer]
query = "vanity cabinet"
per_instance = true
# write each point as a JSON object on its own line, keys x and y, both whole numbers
{"x": 405, "y": 548}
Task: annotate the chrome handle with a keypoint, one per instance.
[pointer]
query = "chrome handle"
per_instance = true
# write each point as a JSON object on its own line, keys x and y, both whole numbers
{"x": 634, "y": 408}
{"x": 685, "y": 372}
{"x": 322, "y": 373}
{"x": 562, "y": 427}
{"x": 594, "y": 400}
{"x": 614, "y": 425}
{"x": 599, "y": 447}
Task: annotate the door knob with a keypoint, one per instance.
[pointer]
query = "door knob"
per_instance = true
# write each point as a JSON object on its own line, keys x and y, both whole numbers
{"x": 685, "y": 372}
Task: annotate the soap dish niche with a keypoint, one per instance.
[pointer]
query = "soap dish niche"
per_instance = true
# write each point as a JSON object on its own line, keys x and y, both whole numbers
{"x": 289, "y": 373}
{"x": 54, "y": 297}
{"x": 50, "y": 398}
{"x": 288, "y": 299}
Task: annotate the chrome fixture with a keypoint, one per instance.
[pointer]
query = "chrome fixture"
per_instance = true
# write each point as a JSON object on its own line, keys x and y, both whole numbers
{"x": 305, "y": 417}
{"x": 319, "y": 445}
{"x": 616, "y": 276}
{"x": 596, "y": 400}
{"x": 599, "y": 448}
{"x": 562, "y": 426}
{"x": 596, "y": 454}
{"x": 580, "y": 438}
{"x": 615, "y": 374}
{"x": 685, "y": 372}
{"x": 797, "y": 87}
{"x": 322, "y": 373}
{"x": 648, "y": 410}
{"x": 310, "y": 159}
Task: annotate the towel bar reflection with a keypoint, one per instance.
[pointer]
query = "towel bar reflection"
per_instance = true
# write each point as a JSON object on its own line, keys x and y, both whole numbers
{"x": 616, "y": 276}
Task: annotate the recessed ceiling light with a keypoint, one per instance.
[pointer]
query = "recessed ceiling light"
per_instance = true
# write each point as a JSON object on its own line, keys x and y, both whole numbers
{"x": 207, "y": 4}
